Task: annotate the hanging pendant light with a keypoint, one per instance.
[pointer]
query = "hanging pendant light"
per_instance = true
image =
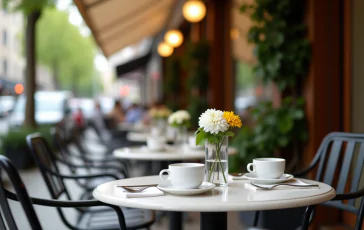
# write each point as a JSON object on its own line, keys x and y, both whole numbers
{"x": 164, "y": 49}
{"x": 174, "y": 38}
{"x": 194, "y": 10}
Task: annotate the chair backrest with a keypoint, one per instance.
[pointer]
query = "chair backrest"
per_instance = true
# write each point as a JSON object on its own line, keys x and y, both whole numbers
{"x": 45, "y": 159}
{"x": 339, "y": 161}
{"x": 6, "y": 217}
{"x": 63, "y": 148}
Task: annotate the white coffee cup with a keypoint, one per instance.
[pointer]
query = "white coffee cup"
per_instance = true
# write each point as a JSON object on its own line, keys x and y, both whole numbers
{"x": 156, "y": 143}
{"x": 184, "y": 175}
{"x": 268, "y": 168}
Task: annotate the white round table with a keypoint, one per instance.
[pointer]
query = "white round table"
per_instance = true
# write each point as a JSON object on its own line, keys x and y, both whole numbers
{"x": 169, "y": 154}
{"x": 137, "y": 128}
{"x": 140, "y": 136}
{"x": 214, "y": 204}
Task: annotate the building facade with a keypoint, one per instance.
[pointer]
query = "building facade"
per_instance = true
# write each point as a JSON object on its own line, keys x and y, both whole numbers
{"x": 12, "y": 61}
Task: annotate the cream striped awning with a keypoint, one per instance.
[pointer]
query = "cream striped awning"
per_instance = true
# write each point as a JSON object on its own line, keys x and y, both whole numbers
{"x": 116, "y": 24}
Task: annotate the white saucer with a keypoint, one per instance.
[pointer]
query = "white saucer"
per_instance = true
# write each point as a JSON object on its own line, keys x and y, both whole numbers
{"x": 204, "y": 187}
{"x": 253, "y": 178}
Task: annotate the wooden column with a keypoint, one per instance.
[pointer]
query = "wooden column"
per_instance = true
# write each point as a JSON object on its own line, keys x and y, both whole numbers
{"x": 322, "y": 87}
{"x": 218, "y": 24}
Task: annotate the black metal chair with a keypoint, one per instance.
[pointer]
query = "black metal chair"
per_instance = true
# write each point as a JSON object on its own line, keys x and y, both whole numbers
{"x": 84, "y": 161}
{"x": 88, "y": 218}
{"x": 339, "y": 162}
{"x": 7, "y": 220}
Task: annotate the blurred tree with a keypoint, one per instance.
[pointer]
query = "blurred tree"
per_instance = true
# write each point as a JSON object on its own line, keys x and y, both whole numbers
{"x": 65, "y": 51}
{"x": 32, "y": 10}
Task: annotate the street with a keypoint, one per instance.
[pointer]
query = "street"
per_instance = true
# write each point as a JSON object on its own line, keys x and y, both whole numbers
{"x": 3, "y": 126}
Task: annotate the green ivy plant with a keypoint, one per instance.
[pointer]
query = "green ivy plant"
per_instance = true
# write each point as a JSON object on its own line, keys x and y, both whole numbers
{"x": 279, "y": 36}
{"x": 283, "y": 54}
{"x": 195, "y": 62}
{"x": 172, "y": 87}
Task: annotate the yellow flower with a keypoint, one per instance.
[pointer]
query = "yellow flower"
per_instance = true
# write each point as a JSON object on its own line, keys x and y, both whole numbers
{"x": 232, "y": 119}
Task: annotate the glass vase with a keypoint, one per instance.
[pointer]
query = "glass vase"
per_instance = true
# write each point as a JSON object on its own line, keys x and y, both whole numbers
{"x": 158, "y": 127}
{"x": 180, "y": 136}
{"x": 216, "y": 162}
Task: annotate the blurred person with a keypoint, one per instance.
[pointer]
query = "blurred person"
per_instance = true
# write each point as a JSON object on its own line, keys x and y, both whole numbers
{"x": 117, "y": 113}
{"x": 134, "y": 114}
{"x": 98, "y": 122}
{"x": 79, "y": 120}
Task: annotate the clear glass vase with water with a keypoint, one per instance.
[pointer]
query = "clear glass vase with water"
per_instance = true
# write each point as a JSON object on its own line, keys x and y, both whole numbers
{"x": 216, "y": 162}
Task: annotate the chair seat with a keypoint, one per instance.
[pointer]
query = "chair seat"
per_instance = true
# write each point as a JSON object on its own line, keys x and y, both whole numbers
{"x": 97, "y": 219}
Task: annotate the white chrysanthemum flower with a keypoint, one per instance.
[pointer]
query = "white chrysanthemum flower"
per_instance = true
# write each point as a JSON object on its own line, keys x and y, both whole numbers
{"x": 179, "y": 117}
{"x": 213, "y": 121}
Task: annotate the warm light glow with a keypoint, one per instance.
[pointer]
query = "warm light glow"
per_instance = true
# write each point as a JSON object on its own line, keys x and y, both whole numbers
{"x": 19, "y": 88}
{"x": 174, "y": 38}
{"x": 234, "y": 34}
{"x": 194, "y": 11}
{"x": 164, "y": 49}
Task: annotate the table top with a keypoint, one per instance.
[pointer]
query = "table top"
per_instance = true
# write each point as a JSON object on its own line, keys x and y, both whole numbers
{"x": 169, "y": 154}
{"x": 140, "y": 136}
{"x": 137, "y": 128}
{"x": 143, "y": 136}
{"x": 234, "y": 197}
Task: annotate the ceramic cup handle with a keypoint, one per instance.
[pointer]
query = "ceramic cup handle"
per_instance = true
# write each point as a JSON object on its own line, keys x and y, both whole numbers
{"x": 249, "y": 166}
{"x": 162, "y": 176}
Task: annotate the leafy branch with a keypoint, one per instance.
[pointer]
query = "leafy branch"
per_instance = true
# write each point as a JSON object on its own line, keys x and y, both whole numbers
{"x": 283, "y": 54}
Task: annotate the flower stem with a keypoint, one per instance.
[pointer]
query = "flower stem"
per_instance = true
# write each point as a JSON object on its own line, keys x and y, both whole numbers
{"x": 217, "y": 163}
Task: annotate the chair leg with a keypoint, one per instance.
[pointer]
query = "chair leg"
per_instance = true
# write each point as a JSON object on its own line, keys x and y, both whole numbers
{"x": 307, "y": 217}
{"x": 256, "y": 218}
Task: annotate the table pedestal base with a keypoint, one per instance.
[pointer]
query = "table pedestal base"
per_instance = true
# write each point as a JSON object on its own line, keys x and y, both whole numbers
{"x": 213, "y": 221}
{"x": 175, "y": 220}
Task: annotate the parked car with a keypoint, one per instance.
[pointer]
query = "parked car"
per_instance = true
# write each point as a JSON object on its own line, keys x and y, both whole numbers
{"x": 6, "y": 105}
{"x": 50, "y": 107}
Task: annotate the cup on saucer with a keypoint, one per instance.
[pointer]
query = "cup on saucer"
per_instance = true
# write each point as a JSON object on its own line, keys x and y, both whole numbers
{"x": 184, "y": 175}
{"x": 267, "y": 168}
{"x": 156, "y": 143}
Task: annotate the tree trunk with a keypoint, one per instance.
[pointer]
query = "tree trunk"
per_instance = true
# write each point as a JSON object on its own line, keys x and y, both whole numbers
{"x": 30, "y": 75}
{"x": 55, "y": 76}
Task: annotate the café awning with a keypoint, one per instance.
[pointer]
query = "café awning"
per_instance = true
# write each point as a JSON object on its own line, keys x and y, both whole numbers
{"x": 116, "y": 24}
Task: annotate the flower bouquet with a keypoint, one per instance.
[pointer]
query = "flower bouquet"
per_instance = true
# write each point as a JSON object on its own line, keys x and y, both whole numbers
{"x": 159, "y": 113}
{"x": 213, "y": 132}
{"x": 159, "y": 120}
{"x": 180, "y": 120}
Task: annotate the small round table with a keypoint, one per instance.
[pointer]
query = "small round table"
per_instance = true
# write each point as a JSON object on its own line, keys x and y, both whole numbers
{"x": 169, "y": 154}
{"x": 215, "y": 204}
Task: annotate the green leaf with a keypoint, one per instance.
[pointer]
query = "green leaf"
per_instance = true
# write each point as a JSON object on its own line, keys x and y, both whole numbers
{"x": 212, "y": 139}
{"x": 298, "y": 114}
{"x": 201, "y": 137}
{"x": 229, "y": 133}
{"x": 285, "y": 123}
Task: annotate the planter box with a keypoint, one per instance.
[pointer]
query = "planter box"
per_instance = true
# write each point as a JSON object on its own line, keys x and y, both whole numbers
{"x": 20, "y": 156}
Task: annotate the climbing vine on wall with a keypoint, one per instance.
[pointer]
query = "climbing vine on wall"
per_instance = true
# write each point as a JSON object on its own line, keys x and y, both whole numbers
{"x": 195, "y": 63}
{"x": 283, "y": 53}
